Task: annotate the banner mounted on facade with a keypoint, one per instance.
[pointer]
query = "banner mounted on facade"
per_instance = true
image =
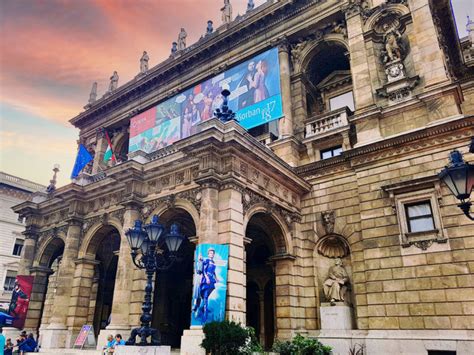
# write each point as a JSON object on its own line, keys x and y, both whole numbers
{"x": 210, "y": 283}
{"x": 255, "y": 98}
{"x": 20, "y": 300}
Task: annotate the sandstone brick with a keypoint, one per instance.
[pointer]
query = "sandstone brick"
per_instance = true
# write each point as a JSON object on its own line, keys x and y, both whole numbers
{"x": 383, "y": 323}
{"x": 376, "y": 311}
{"x": 381, "y": 298}
{"x": 432, "y": 295}
{"x": 465, "y": 294}
{"x": 462, "y": 322}
{"x": 465, "y": 280}
{"x": 397, "y": 310}
{"x": 383, "y": 274}
{"x": 428, "y": 270}
{"x": 468, "y": 307}
{"x": 444, "y": 282}
{"x": 454, "y": 269}
{"x": 411, "y": 323}
{"x": 448, "y": 308}
{"x": 418, "y": 284}
{"x": 394, "y": 285}
{"x": 407, "y": 297}
{"x": 421, "y": 309}
{"x": 439, "y": 322}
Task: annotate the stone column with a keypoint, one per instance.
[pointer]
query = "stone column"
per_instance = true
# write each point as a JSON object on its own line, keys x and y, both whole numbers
{"x": 360, "y": 70}
{"x": 231, "y": 232}
{"x": 56, "y": 334}
{"x": 207, "y": 232}
{"x": 100, "y": 149}
{"x": 426, "y": 52}
{"x": 38, "y": 295}
{"x": 93, "y": 300}
{"x": 120, "y": 317}
{"x": 285, "y": 297}
{"x": 286, "y": 123}
{"x": 29, "y": 250}
{"x": 48, "y": 302}
{"x": 261, "y": 303}
{"x": 81, "y": 287}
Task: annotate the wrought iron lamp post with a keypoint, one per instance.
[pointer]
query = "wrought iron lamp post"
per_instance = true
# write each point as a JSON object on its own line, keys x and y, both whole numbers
{"x": 459, "y": 177}
{"x": 148, "y": 253}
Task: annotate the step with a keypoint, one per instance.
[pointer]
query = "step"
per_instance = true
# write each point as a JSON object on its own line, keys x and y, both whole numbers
{"x": 69, "y": 351}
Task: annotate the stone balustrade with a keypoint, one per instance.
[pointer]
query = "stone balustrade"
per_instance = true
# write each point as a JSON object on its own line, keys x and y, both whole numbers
{"x": 327, "y": 123}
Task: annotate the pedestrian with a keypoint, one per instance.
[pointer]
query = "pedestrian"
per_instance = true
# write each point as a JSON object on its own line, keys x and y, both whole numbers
{"x": 8, "y": 349}
{"x": 28, "y": 345}
{"x": 119, "y": 340}
{"x": 2, "y": 339}
{"x": 109, "y": 346}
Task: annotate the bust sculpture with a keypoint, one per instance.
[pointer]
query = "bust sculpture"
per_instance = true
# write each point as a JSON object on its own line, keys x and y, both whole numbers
{"x": 174, "y": 48}
{"x": 113, "y": 82}
{"x": 144, "y": 62}
{"x": 226, "y": 12}
{"x": 250, "y": 5}
{"x": 335, "y": 286}
{"x": 182, "y": 39}
{"x": 209, "y": 28}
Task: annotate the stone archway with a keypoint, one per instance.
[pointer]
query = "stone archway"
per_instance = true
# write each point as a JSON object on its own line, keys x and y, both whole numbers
{"x": 99, "y": 263}
{"x": 45, "y": 272}
{"x": 173, "y": 287}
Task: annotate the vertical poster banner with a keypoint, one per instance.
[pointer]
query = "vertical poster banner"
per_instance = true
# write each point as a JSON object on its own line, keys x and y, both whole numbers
{"x": 20, "y": 300}
{"x": 255, "y": 98}
{"x": 210, "y": 283}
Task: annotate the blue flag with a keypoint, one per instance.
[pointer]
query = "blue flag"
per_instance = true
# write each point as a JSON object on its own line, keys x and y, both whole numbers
{"x": 82, "y": 159}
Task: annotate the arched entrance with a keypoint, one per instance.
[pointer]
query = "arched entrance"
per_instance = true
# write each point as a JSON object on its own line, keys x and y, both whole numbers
{"x": 105, "y": 244}
{"x": 173, "y": 287}
{"x": 263, "y": 231}
{"x": 49, "y": 259}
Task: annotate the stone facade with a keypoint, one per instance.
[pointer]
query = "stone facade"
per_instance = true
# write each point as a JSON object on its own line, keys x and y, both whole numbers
{"x": 13, "y": 190}
{"x": 287, "y": 206}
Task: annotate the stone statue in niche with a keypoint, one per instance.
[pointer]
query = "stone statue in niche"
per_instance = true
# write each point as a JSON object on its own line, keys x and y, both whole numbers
{"x": 182, "y": 39}
{"x": 393, "y": 47}
{"x": 335, "y": 286}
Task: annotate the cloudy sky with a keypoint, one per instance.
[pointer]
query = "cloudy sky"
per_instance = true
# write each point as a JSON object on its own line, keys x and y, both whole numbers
{"x": 52, "y": 50}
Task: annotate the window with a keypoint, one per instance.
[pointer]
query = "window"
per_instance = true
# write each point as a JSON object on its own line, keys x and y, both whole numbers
{"x": 419, "y": 217}
{"x": 416, "y": 203}
{"x": 331, "y": 152}
{"x": 9, "y": 284}
{"x": 18, "y": 247}
{"x": 342, "y": 100}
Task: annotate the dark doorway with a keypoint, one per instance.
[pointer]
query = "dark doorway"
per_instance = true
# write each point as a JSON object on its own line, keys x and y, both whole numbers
{"x": 173, "y": 287}
{"x": 262, "y": 231}
{"x": 106, "y": 271}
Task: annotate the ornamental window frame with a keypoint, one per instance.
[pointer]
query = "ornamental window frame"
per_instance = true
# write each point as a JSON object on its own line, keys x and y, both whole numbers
{"x": 408, "y": 193}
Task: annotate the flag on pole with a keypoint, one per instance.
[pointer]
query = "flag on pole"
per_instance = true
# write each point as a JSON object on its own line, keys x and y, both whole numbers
{"x": 109, "y": 153}
{"x": 83, "y": 158}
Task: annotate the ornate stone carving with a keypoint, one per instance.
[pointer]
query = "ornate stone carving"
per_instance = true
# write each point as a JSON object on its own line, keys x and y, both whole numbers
{"x": 194, "y": 196}
{"x": 144, "y": 62}
{"x": 333, "y": 246}
{"x": 53, "y": 232}
{"x": 335, "y": 286}
{"x": 226, "y": 12}
{"x": 182, "y": 39}
{"x": 328, "y": 219}
{"x": 113, "y": 82}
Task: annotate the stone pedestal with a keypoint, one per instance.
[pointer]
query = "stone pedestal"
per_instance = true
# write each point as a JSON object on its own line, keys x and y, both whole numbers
{"x": 54, "y": 337}
{"x": 336, "y": 317}
{"x": 143, "y": 350}
{"x": 191, "y": 342}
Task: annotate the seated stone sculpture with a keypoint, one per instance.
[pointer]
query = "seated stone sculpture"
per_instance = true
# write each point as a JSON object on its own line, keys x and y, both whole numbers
{"x": 335, "y": 286}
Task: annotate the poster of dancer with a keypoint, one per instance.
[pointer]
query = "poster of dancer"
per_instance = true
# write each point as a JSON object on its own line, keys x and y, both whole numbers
{"x": 210, "y": 283}
{"x": 20, "y": 300}
{"x": 255, "y": 98}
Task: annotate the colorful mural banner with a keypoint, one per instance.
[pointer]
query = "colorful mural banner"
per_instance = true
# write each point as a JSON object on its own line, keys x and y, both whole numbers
{"x": 20, "y": 300}
{"x": 210, "y": 283}
{"x": 255, "y": 98}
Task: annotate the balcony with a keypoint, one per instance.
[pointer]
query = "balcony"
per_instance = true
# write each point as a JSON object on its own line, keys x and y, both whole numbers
{"x": 327, "y": 124}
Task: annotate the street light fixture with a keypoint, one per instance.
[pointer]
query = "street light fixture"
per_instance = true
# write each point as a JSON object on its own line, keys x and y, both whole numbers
{"x": 148, "y": 252}
{"x": 459, "y": 178}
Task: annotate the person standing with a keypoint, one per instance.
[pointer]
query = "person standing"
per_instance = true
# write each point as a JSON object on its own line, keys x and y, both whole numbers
{"x": 8, "y": 349}
{"x": 2, "y": 340}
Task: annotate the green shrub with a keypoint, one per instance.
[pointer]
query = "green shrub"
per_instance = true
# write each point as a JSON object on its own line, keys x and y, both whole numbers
{"x": 301, "y": 346}
{"x": 229, "y": 338}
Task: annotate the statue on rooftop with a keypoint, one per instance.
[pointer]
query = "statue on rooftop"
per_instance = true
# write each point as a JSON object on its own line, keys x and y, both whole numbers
{"x": 113, "y": 82}
{"x": 182, "y": 39}
{"x": 226, "y": 12}
{"x": 144, "y": 62}
{"x": 209, "y": 28}
{"x": 174, "y": 48}
{"x": 335, "y": 286}
{"x": 250, "y": 5}
{"x": 93, "y": 94}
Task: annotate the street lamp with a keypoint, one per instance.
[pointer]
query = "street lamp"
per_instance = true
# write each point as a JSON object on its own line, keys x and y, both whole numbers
{"x": 146, "y": 244}
{"x": 459, "y": 177}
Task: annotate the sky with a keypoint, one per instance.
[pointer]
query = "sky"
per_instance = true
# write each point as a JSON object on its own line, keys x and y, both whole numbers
{"x": 53, "y": 50}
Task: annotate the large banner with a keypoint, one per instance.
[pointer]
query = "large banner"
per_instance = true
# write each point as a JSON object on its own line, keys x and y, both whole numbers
{"x": 20, "y": 300}
{"x": 255, "y": 98}
{"x": 210, "y": 283}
